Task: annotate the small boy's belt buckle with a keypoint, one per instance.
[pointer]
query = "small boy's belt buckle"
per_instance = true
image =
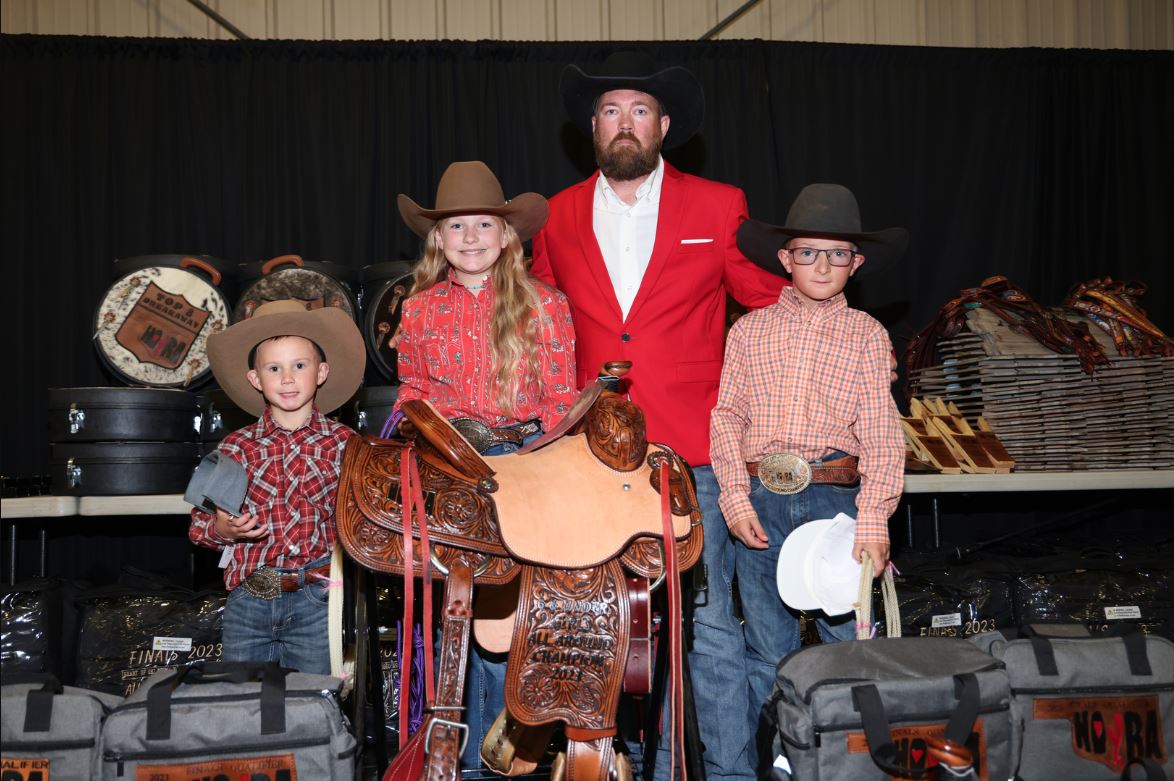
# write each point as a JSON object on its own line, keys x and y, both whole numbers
{"x": 784, "y": 473}
{"x": 264, "y": 583}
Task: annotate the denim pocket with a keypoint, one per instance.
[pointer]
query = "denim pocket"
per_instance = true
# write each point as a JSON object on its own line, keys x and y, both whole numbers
{"x": 317, "y": 592}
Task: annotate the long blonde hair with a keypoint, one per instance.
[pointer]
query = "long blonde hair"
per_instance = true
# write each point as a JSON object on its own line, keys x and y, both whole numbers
{"x": 514, "y": 324}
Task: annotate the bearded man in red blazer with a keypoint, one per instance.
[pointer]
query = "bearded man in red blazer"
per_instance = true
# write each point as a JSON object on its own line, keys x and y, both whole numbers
{"x": 646, "y": 255}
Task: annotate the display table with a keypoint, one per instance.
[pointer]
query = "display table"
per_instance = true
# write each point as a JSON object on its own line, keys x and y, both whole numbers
{"x": 932, "y": 484}
{"x": 38, "y": 507}
{"x": 1091, "y": 480}
{"x": 148, "y": 504}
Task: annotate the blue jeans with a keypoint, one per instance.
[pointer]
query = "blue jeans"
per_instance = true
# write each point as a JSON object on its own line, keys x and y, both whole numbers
{"x": 290, "y": 629}
{"x": 772, "y": 628}
{"x": 485, "y": 678}
{"x": 717, "y": 660}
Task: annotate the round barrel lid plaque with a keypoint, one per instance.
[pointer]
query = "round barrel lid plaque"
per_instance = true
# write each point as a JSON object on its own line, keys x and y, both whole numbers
{"x": 152, "y": 326}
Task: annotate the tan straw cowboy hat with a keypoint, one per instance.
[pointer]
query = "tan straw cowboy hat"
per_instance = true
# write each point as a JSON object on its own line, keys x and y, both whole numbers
{"x": 329, "y": 327}
{"x": 471, "y": 188}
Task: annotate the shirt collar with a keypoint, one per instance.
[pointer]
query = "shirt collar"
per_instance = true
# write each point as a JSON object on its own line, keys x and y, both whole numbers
{"x": 649, "y": 189}
{"x": 267, "y": 426}
{"x": 821, "y": 310}
{"x": 454, "y": 282}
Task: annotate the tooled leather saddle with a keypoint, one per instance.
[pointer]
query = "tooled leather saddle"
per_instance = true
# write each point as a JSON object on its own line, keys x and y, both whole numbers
{"x": 569, "y": 530}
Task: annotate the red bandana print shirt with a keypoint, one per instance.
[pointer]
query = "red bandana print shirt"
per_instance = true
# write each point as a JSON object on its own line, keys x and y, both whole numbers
{"x": 445, "y": 356}
{"x": 293, "y": 478}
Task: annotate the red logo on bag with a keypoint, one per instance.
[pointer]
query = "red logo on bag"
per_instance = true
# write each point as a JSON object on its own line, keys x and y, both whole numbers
{"x": 278, "y": 767}
{"x": 24, "y": 769}
{"x": 1110, "y": 730}
{"x": 912, "y": 751}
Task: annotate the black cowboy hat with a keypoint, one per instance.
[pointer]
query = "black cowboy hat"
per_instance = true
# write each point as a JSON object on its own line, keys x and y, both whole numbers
{"x": 675, "y": 87}
{"x": 826, "y": 211}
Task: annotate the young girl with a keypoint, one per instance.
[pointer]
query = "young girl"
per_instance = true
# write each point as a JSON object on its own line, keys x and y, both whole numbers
{"x": 490, "y": 346}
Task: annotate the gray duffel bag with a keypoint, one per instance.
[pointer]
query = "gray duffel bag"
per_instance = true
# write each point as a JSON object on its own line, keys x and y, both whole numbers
{"x": 863, "y": 709}
{"x": 50, "y": 731}
{"x": 1088, "y": 707}
{"x": 230, "y": 719}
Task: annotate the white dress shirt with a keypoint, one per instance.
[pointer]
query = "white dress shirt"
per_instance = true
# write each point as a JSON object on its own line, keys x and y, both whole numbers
{"x": 626, "y": 233}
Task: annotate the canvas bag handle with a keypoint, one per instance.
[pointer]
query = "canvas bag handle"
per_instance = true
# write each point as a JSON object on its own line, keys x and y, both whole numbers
{"x": 878, "y": 732}
{"x": 270, "y": 674}
{"x": 1134, "y": 639}
{"x": 39, "y": 702}
{"x": 864, "y": 602}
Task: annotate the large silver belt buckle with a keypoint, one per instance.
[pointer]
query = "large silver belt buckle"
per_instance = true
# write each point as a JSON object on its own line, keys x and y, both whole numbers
{"x": 264, "y": 583}
{"x": 481, "y": 436}
{"x": 784, "y": 473}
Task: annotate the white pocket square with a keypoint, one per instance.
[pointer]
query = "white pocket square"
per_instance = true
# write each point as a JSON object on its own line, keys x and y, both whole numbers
{"x": 697, "y": 241}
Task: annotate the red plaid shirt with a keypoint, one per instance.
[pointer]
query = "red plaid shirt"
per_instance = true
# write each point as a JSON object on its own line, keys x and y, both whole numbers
{"x": 809, "y": 380}
{"x": 293, "y": 477}
{"x": 445, "y": 356}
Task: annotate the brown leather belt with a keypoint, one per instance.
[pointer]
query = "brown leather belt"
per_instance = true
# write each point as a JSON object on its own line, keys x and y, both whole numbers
{"x": 841, "y": 471}
{"x": 268, "y": 582}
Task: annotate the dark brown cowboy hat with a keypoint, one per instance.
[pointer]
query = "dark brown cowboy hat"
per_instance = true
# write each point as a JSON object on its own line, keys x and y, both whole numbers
{"x": 676, "y": 88}
{"x": 826, "y": 211}
{"x": 471, "y": 188}
{"x": 329, "y": 327}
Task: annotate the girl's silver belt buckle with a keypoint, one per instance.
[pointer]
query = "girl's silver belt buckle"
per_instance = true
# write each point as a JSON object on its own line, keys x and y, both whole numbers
{"x": 784, "y": 473}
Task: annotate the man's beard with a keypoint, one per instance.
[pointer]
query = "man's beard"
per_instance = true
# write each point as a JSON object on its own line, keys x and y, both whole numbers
{"x": 625, "y": 163}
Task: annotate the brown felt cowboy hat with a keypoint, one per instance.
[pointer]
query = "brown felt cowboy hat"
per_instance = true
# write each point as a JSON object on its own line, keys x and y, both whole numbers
{"x": 329, "y": 327}
{"x": 471, "y": 188}
{"x": 826, "y": 211}
{"x": 675, "y": 87}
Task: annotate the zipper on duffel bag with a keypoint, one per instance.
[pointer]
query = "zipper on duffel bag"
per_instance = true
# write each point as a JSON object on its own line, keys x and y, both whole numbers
{"x": 1139, "y": 689}
{"x": 308, "y": 694}
{"x": 248, "y": 748}
{"x": 47, "y": 745}
{"x": 903, "y": 720}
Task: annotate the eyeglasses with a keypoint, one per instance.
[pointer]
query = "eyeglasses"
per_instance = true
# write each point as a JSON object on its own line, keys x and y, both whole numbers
{"x": 805, "y": 256}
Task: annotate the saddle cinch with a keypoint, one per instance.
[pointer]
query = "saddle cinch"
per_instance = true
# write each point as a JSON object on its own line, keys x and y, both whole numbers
{"x": 570, "y": 531}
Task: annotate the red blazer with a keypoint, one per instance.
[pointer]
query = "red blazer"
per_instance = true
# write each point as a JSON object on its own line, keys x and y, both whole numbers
{"x": 675, "y": 331}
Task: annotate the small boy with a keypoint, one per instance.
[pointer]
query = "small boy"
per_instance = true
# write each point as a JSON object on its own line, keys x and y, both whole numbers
{"x": 277, "y": 552}
{"x": 805, "y": 426}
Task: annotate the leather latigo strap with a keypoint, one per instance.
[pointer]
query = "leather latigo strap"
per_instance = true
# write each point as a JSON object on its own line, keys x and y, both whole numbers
{"x": 638, "y": 669}
{"x": 443, "y": 761}
{"x": 841, "y": 471}
{"x": 433, "y": 753}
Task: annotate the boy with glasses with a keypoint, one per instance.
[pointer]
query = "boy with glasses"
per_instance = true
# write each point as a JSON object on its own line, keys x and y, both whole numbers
{"x": 805, "y": 426}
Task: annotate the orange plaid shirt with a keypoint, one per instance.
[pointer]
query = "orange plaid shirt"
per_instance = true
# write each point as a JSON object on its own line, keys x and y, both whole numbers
{"x": 809, "y": 380}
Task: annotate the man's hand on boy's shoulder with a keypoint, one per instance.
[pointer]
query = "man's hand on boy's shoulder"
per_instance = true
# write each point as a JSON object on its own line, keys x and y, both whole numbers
{"x": 239, "y": 528}
{"x": 749, "y": 531}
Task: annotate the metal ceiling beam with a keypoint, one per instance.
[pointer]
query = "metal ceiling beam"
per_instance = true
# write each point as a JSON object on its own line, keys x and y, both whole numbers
{"x": 724, "y": 23}
{"x": 220, "y": 20}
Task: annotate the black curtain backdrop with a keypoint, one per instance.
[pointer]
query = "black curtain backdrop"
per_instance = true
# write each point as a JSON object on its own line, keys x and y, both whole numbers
{"x": 1048, "y": 166}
